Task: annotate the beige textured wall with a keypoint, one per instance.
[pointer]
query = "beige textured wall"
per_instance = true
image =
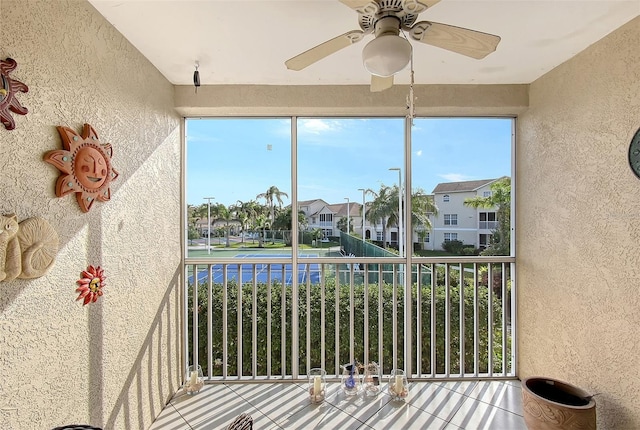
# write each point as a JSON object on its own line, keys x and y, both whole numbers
{"x": 578, "y": 219}
{"x": 113, "y": 363}
{"x": 443, "y": 100}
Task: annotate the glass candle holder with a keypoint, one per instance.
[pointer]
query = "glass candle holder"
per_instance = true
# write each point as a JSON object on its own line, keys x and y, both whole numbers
{"x": 194, "y": 379}
{"x": 317, "y": 385}
{"x": 371, "y": 379}
{"x": 398, "y": 385}
{"x": 350, "y": 379}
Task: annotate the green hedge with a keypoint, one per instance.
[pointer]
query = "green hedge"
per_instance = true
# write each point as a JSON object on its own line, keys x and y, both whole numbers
{"x": 330, "y": 291}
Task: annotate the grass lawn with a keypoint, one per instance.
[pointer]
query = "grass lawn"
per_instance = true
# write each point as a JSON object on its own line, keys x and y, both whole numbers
{"x": 233, "y": 251}
{"x": 428, "y": 253}
{"x": 251, "y": 247}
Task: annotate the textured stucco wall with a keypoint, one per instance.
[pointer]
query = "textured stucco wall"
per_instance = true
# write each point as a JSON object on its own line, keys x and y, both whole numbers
{"x": 578, "y": 219}
{"x": 114, "y": 363}
{"x": 223, "y": 100}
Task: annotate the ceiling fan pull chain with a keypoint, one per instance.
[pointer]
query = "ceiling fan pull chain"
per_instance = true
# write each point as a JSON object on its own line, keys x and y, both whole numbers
{"x": 411, "y": 107}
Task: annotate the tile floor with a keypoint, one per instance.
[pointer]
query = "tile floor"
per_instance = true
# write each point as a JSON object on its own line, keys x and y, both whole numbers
{"x": 494, "y": 405}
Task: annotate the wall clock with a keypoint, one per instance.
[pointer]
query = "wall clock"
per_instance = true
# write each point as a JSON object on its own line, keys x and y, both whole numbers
{"x": 634, "y": 154}
{"x": 8, "y": 89}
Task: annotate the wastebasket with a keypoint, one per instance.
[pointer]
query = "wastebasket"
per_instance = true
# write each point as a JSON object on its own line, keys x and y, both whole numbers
{"x": 550, "y": 404}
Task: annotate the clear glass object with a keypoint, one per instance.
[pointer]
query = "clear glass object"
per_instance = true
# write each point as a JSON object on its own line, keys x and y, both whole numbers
{"x": 194, "y": 380}
{"x": 317, "y": 385}
{"x": 371, "y": 379}
{"x": 350, "y": 379}
{"x": 398, "y": 385}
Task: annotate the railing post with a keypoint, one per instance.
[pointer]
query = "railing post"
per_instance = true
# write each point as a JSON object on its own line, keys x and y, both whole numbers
{"x": 461, "y": 348}
{"x": 194, "y": 320}
{"x": 209, "y": 319}
{"x": 239, "y": 320}
{"x": 490, "y": 320}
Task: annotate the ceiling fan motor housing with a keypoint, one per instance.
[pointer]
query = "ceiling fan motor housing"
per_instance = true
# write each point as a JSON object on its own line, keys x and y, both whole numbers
{"x": 388, "y": 53}
{"x": 405, "y": 11}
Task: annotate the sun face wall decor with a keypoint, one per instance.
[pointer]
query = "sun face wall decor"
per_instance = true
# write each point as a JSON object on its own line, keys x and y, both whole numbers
{"x": 8, "y": 89}
{"x": 85, "y": 166}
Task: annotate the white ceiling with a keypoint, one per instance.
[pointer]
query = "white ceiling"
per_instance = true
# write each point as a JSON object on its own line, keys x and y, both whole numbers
{"x": 247, "y": 42}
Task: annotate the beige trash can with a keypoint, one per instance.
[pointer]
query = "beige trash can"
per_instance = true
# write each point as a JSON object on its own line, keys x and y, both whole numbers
{"x": 550, "y": 404}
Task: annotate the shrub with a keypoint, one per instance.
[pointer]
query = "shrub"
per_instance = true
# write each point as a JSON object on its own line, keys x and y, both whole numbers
{"x": 453, "y": 246}
{"x": 470, "y": 250}
{"x": 278, "y": 299}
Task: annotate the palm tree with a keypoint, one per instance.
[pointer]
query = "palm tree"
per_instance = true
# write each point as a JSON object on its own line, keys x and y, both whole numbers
{"x": 284, "y": 222}
{"x": 259, "y": 210}
{"x": 380, "y": 209}
{"x": 316, "y": 234}
{"x": 422, "y": 205}
{"x": 194, "y": 214}
{"x": 384, "y": 208}
{"x": 500, "y": 198}
{"x": 272, "y": 195}
{"x": 245, "y": 214}
{"x": 342, "y": 224}
{"x": 262, "y": 223}
{"x": 226, "y": 215}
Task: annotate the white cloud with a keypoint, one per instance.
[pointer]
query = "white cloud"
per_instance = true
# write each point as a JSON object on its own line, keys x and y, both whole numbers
{"x": 456, "y": 177}
{"x": 317, "y": 126}
{"x": 202, "y": 138}
{"x": 419, "y": 152}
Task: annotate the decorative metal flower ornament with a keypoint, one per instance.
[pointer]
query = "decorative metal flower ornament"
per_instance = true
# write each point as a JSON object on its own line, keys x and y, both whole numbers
{"x": 8, "y": 89}
{"x": 91, "y": 284}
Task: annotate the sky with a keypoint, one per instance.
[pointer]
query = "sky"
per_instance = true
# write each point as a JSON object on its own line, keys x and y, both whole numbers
{"x": 235, "y": 159}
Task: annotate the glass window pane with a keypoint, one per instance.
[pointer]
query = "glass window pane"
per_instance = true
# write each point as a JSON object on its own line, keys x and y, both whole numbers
{"x": 238, "y": 185}
{"x": 456, "y": 163}
{"x": 344, "y": 163}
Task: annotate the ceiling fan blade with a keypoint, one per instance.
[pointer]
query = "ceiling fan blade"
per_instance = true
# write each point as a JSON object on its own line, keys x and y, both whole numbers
{"x": 471, "y": 43}
{"x": 378, "y": 83}
{"x": 418, "y": 6}
{"x": 323, "y": 50}
{"x": 429, "y": 3}
{"x": 361, "y": 6}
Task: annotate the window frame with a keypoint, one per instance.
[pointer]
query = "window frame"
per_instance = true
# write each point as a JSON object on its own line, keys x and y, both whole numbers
{"x": 450, "y": 219}
{"x": 407, "y": 237}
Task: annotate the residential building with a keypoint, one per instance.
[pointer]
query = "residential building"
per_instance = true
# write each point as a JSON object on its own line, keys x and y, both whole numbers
{"x": 325, "y": 216}
{"x": 318, "y": 216}
{"x": 458, "y": 221}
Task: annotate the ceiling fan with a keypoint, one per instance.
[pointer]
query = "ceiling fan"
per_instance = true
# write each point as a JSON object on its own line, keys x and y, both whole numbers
{"x": 388, "y": 53}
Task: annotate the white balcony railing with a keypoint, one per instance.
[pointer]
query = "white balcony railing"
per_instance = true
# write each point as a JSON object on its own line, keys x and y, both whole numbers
{"x": 262, "y": 320}
{"x": 488, "y": 225}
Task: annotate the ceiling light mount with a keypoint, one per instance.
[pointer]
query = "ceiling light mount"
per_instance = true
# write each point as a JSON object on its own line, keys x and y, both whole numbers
{"x": 388, "y": 53}
{"x": 406, "y": 11}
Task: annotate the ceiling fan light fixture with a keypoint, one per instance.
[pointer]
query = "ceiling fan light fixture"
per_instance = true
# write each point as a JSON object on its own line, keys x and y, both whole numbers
{"x": 386, "y": 55}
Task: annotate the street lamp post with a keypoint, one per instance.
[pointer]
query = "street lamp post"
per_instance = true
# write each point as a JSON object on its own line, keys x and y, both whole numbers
{"x": 348, "y": 215}
{"x": 208, "y": 199}
{"x": 363, "y": 213}
{"x": 400, "y": 235}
